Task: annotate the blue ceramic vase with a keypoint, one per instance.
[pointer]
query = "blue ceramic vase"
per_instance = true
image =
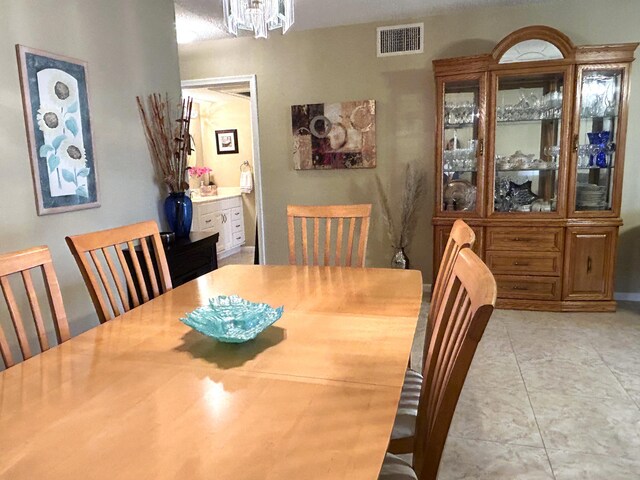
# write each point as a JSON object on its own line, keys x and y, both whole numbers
{"x": 179, "y": 211}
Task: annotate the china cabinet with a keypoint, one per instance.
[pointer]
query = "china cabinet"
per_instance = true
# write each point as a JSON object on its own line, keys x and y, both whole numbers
{"x": 530, "y": 153}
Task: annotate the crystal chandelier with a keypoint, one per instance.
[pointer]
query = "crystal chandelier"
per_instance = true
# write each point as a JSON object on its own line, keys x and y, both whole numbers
{"x": 258, "y": 16}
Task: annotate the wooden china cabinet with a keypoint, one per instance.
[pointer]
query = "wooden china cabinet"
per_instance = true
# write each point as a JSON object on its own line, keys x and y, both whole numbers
{"x": 530, "y": 152}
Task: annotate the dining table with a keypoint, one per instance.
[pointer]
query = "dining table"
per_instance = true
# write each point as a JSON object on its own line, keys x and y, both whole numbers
{"x": 144, "y": 396}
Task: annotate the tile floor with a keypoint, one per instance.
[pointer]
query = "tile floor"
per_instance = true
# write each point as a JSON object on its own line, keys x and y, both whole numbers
{"x": 549, "y": 396}
{"x": 240, "y": 258}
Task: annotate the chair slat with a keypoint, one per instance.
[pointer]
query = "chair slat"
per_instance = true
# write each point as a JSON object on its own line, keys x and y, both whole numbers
{"x": 16, "y": 318}
{"x": 339, "y": 233}
{"x": 305, "y": 246}
{"x": 128, "y": 265}
{"x": 362, "y": 243}
{"x": 327, "y": 242}
{"x": 352, "y": 230}
{"x": 149, "y": 263}
{"x": 105, "y": 283}
{"x": 127, "y": 276}
{"x": 55, "y": 303}
{"x": 136, "y": 268}
{"x": 35, "y": 310}
{"x": 122, "y": 293}
{"x": 292, "y": 240}
{"x": 316, "y": 239}
{"x": 5, "y": 352}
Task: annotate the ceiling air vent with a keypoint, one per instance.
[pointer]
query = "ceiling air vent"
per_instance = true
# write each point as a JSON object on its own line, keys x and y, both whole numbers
{"x": 401, "y": 40}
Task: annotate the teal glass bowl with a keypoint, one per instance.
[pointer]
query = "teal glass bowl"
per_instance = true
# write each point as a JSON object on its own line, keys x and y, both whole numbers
{"x": 232, "y": 319}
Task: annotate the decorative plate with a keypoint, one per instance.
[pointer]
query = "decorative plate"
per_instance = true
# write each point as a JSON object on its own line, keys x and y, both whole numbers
{"x": 460, "y": 193}
{"x": 232, "y": 319}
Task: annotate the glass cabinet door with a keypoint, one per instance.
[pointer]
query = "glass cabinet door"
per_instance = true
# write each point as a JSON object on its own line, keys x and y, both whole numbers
{"x": 527, "y": 151}
{"x": 595, "y": 145}
{"x": 461, "y": 145}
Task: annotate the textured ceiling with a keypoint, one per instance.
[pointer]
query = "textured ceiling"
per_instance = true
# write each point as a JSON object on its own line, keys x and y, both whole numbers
{"x": 202, "y": 19}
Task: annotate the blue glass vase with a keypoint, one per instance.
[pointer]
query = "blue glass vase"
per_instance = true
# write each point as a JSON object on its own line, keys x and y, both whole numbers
{"x": 601, "y": 140}
{"x": 179, "y": 211}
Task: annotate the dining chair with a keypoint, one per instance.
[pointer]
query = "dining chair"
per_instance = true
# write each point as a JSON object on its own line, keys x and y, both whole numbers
{"x": 93, "y": 251}
{"x": 346, "y": 218}
{"x": 461, "y": 236}
{"x": 23, "y": 262}
{"x": 467, "y": 304}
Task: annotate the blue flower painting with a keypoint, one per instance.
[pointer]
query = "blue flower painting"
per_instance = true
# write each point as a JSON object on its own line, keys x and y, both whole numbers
{"x": 56, "y": 104}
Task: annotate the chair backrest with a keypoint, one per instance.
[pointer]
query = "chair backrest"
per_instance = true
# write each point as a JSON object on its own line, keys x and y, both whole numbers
{"x": 23, "y": 262}
{"x": 152, "y": 277}
{"x": 461, "y": 236}
{"x": 328, "y": 215}
{"x": 467, "y": 305}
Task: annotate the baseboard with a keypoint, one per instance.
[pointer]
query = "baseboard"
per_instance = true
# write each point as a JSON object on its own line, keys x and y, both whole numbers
{"x": 627, "y": 296}
{"x": 228, "y": 253}
{"x": 251, "y": 250}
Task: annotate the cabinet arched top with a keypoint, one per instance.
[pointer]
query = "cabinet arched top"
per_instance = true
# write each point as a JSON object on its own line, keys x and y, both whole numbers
{"x": 534, "y": 43}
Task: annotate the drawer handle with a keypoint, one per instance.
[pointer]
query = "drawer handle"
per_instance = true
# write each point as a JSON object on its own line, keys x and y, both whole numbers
{"x": 518, "y": 239}
{"x": 207, "y": 221}
{"x": 238, "y": 238}
{"x": 521, "y": 264}
{"x": 237, "y": 213}
{"x": 589, "y": 264}
{"x": 518, "y": 287}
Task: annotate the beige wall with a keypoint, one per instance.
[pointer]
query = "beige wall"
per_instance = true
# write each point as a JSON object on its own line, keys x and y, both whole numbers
{"x": 340, "y": 64}
{"x": 223, "y": 111}
{"x": 131, "y": 50}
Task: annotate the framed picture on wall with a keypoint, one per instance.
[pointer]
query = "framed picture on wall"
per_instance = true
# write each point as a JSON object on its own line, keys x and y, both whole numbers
{"x": 55, "y": 99}
{"x": 227, "y": 141}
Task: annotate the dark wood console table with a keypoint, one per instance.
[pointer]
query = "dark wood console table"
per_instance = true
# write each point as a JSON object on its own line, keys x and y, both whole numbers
{"x": 190, "y": 257}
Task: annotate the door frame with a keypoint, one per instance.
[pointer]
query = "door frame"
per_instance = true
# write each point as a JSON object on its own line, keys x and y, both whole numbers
{"x": 253, "y": 89}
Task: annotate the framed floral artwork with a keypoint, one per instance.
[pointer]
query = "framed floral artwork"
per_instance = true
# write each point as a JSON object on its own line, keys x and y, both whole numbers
{"x": 227, "y": 141}
{"x": 57, "y": 117}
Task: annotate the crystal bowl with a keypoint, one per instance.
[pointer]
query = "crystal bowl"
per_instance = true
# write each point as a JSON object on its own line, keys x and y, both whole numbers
{"x": 232, "y": 319}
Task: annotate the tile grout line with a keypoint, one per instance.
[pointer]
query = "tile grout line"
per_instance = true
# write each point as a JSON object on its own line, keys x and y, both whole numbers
{"x": 629, "y": 396}
{"x": 544, "y": 445}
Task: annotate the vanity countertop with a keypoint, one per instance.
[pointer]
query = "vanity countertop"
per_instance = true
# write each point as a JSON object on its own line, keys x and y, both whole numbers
{"x": 223, "y": 192}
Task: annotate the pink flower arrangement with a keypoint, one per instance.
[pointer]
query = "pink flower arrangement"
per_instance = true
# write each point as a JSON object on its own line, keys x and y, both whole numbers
{"x": 198, "y": 171}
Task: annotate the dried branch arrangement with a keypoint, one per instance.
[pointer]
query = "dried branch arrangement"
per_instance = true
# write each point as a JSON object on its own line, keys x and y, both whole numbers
{"x": 414, "y": 187}
{"x": 169, "y": 144}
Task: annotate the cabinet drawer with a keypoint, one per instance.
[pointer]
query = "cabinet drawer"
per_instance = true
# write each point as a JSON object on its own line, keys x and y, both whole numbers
{"x": 237, "y": 226}
{"x": 237, "y": 238}
{"x": 206, "y": 208}
{"x": 538, "y": 239}
{"x": 528, "y": 288}
{"x": 524, "y": 263}
{"x": 208, "y": 221}
{"x": 236, "y": 214}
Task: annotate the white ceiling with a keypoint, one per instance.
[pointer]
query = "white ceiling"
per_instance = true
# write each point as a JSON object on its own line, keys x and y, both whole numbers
{"x": 202, "y": 19}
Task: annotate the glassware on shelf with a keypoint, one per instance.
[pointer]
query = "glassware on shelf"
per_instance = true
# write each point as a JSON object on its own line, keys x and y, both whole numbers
{"x": 461, "y": 159}
{"x": 553, "y": 152}
{"x": 522, "y": 161}
{"x": 460, "y": 113}
{"x": 599, "y": 95}
{"x": 530, "y": 108}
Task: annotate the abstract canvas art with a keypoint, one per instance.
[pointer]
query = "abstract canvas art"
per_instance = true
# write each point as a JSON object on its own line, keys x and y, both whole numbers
{"x": 57, "y": 117}
{"x": 334, "y": 135}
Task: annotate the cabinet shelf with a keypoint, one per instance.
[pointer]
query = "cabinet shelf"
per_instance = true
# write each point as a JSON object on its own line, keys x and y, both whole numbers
{"x": 527, "y": 169}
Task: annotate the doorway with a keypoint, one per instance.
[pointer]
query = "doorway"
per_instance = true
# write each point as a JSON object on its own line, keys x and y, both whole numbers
{"x": 225, "y": 133}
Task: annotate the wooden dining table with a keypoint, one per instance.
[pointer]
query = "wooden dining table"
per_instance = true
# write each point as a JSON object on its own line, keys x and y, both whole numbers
{"x": 143, "y": 396}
